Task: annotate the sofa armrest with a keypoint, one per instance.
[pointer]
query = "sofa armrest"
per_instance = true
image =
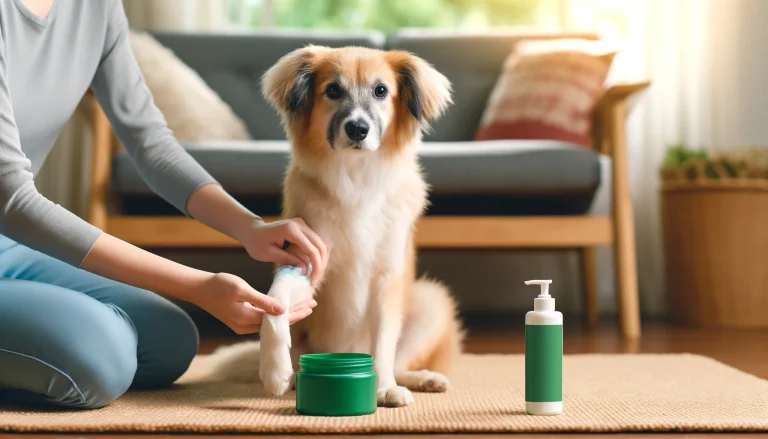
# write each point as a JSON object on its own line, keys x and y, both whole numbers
{"x": 611, "y": 109}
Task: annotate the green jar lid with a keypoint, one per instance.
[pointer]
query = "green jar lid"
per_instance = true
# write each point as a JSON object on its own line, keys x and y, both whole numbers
{"x": 336, "y": 384}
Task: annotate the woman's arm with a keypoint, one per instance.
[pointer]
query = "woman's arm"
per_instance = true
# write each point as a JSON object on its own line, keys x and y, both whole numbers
{"x": 30, "y": 219}
{"x": 172, "y": 173}
{"x": 226, "y": 297}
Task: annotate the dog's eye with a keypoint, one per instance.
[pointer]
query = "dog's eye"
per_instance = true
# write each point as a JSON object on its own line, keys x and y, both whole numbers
{"x": 333, "y": 91}
{"x": 380, "y": 91}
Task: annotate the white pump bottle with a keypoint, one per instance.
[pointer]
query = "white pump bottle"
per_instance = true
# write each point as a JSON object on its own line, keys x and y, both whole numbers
{"x": 543, "y": 354}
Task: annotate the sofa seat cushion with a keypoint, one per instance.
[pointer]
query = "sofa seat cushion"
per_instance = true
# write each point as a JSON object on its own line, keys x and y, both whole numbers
{"x": 500, "y": 177}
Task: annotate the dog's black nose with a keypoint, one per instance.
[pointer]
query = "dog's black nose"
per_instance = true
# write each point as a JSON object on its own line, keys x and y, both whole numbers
{"x": 356, "y": 129}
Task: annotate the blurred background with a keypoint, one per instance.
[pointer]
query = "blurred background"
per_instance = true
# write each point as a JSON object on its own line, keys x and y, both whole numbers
{"x": 705, "y": 61}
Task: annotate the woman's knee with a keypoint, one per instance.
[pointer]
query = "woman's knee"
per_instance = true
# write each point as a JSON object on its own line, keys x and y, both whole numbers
{"x": 168, "y": 341}
{"x": 105, "y": 380}
{"x": 67, "y": 348}
{"x": 81, "y": 379}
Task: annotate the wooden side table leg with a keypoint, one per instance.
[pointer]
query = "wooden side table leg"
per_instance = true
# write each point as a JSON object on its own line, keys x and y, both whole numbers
{"x": 589, "y": 273}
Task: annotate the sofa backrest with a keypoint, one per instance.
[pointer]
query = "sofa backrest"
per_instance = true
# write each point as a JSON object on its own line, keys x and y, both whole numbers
{"x": 232, "y": 65}
{"x": 472, "y": 62}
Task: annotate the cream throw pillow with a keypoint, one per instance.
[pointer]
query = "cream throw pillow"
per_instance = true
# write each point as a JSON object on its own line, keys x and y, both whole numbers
{"x": 193, "y": 111}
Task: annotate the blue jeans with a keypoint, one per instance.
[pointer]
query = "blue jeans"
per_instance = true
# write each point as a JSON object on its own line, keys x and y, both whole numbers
{"x": 75, "y": 339}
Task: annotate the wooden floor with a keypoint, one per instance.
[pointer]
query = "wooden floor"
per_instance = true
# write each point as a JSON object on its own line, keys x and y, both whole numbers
{"x": 746, "y": 350}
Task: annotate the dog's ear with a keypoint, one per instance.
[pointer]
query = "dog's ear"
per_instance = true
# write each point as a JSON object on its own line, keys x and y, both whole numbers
{"x": 424, "y": 91}
{"x": 289, "y": 84}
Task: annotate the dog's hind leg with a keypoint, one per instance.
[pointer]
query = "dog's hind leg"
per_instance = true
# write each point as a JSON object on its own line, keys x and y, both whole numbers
{"x": 236, "y": 362}
{"x": 275, "y": 369}
{"x": 431, "y": 339}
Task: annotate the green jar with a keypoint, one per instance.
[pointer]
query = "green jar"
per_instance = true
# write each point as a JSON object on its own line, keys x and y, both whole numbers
{"x": 337, "y": 384}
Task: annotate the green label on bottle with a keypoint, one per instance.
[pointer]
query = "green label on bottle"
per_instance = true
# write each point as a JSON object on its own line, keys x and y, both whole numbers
{"x": 543, "y": 363}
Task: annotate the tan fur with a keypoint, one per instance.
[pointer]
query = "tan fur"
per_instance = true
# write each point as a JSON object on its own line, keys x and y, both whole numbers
{"x": 364, "y": 205}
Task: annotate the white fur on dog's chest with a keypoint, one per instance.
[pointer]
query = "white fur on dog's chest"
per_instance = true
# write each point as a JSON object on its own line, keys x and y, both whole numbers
{"x": 366, "y": 230}
{"x": 369, "y": 223}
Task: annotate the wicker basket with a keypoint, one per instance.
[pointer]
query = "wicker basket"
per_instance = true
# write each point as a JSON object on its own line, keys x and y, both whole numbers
{"x": 716, "y": 242}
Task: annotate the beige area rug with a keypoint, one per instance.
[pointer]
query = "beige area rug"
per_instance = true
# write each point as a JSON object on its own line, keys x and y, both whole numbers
{"x": 602, "y": 393}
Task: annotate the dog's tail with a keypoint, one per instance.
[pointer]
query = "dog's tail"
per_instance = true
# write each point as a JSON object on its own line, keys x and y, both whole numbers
{"x": 237, "y": 362}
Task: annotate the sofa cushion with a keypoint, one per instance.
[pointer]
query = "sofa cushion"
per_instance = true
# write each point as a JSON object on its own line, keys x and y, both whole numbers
{"x": 548, "y": 90}
{"x": 232, "y": 65}
{"x": 472, "y": 62}
{"x": 472, "y": 178}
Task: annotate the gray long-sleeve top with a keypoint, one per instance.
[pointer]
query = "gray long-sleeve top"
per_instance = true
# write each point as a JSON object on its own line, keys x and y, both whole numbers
{"x": 46, "y": 66}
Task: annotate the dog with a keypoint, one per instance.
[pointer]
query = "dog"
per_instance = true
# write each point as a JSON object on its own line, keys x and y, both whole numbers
{"x": 355, "y": 119}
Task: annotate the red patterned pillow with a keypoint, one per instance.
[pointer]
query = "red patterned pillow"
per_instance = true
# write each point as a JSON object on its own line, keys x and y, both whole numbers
{"x": 547, "y": 90}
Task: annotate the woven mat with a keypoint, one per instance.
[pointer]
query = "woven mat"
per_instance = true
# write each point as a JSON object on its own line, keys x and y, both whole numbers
{"x": 602, "y": 393}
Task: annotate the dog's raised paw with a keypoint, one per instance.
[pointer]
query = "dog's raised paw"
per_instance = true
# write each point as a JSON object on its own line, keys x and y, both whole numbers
{"x": 275, "y": 376}
{"x": 277, "y": 385}
{"x": 397, "y": 396}
{"x": 275, "y": 368}
{"x": 275, "y": 371}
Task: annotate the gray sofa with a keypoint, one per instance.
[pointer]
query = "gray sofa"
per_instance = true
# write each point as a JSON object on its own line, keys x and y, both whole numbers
{"x": 509, "y": 177}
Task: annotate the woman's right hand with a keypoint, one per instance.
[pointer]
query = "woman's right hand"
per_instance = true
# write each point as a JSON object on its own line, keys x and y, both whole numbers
{"x": 231, "y": 300}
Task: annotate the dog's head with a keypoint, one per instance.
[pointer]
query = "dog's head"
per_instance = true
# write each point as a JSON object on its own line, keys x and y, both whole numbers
{"x": 354, "y": 98}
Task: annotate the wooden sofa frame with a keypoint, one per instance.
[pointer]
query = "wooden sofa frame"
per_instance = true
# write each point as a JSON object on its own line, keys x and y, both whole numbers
{"x": 584, "y": 232}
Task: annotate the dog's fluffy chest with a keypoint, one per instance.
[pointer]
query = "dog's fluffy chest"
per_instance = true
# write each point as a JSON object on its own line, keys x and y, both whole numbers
{"x": 371, "y": 205}
{"x": 366, "y": 222}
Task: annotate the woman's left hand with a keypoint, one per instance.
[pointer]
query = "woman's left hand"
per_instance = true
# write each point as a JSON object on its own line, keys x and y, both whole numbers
{"x": 264, "y": 241}
{"x": 267, "y": 242}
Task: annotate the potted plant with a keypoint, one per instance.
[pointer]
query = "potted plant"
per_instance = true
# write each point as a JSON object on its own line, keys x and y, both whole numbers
{"x": 715, "y": 223}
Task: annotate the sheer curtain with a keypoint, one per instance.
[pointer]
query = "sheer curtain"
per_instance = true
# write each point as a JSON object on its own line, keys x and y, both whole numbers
{"x": 696, "y": 52}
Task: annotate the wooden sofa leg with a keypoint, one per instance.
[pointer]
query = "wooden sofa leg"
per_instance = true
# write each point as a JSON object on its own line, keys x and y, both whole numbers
{"x": 589, "y": 273}
{"x": 626, "y": 277}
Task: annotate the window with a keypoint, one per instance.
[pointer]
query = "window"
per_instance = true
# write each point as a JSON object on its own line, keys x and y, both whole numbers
{"x": 389, "y": 15}
{"x": 611, "y": 19}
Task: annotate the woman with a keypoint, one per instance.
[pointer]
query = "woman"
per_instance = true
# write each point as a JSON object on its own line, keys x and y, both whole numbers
{"x": 78, "y": 323}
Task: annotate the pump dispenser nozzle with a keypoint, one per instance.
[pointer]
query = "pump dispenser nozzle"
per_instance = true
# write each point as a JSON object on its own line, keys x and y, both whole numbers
{"x": 544, "y": 302}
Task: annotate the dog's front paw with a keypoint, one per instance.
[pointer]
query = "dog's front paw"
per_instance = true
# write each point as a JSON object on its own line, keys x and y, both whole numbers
{"x": 397, "y": 396}
{"x": 275, "y": 368}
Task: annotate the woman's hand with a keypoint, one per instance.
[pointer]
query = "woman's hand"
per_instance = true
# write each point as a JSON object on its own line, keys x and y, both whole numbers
{"x": 231, "y": 300}
{"x": 267, "y": 242}
{"x": 264, "y": 242}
